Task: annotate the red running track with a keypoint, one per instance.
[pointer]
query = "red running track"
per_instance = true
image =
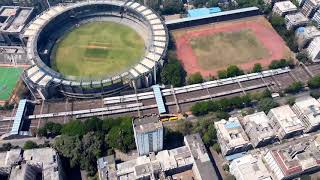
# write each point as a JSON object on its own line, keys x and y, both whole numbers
{"x": 263, "y": 31}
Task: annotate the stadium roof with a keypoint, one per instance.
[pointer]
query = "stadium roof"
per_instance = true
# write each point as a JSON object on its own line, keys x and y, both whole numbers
{"x": 203, "y": 11}
{"x": 211, "y": 15}
{"x": 18, "y": 118}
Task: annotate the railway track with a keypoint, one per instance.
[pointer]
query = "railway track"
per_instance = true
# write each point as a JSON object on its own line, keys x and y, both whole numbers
{"x": 145, "y": 104}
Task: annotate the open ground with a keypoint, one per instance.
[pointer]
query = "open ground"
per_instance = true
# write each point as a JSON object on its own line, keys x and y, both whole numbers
{"x": 9, "y": 77}
{"x": 98, "y": 49}
{"x": 244, "y": 42}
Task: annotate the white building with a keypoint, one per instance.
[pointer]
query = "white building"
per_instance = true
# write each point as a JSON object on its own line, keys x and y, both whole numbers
{"x": 148, "y": 133}
{"x": 305, "y": 35}
{"x": 258, "y": 128}
{"x": 285, "y": 122}
{"x": 293, "y": 160}
{"x": 308, "y": 111}
{"x": 295, "y": 20}
{"x": 316, "y": 18}
{"x": 249, "y": 167}
{"x": 231, "y": 136}
{"x": 191, "y": 158}
{"x": 310, "y": 7}
{"x": 314, "y": 50}
{"x": 283, "y": 8}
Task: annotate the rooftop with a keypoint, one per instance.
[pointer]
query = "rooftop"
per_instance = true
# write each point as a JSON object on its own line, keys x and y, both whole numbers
{"x": 10, "y": 157}
{"x": 147, "y": 124}
{"x": 296, "y": 158}
{"x": 310, "y": 108}
{"x": 260, "y": 123}
{"x": 296, "y": 18}
{"x": 249, "y": 167}
{"x": 285, "y": 6}
{"x": 203, "y": 11}
{"x": 14, "y": 18}
{"x": 287, "y": 119}
{"x": 193, "y": 153}
{"x": 232, "y": 132}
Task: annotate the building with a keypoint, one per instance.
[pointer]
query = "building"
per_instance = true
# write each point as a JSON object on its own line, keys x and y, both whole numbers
{"x": 31, "y": 164}
{"x": 190, "y": 161}
{"x": 258, "y": 128}
{"x": 13, "y": 19}
{"x": 285, "y": 122}
{"x": 9, "y": 159}
{"x": 308, "y": 111}
{"x": 310, "y": 7}
{"x": 316, "y": 18}
{"x": 295, "y": 20}
{"x": 231, "y": 136}
{"x": 203, "y": 11}
{"x": 249, "y": 167}
{"x": 305, "y": 35}
{"x": 148, "y": 134}
{"x": 293, "y": 160}
{"x": 283, "y": 8}
{"x": 314, "y": 50}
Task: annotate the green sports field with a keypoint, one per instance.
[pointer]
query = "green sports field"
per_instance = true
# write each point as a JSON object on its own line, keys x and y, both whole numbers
{"x": 98, "y": 49}
{"x": 9, "y": 77}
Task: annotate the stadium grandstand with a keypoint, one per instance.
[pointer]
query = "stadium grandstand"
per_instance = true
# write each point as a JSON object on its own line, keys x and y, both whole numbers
{"x": 41, "y": 35}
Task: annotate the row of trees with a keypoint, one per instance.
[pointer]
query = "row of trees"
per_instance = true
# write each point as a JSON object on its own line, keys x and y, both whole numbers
{"x": 83, "y": 142}
{"x": 276, "y": 64}
{"x": 264, "y": 103}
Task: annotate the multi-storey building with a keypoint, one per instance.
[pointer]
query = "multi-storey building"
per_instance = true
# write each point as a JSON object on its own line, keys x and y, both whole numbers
{"x": 314, "y": 50}
{"x": 310, "y": 7}
{"x": 148, "y": 133}
{"x": 231, "y": 136}
{"x": 283, "y": 8}
{"x": 295, "y": 20}
{"x": 258, "y": 128}
{"x": 285, "y": 122}
{"x": 308, "y": 111}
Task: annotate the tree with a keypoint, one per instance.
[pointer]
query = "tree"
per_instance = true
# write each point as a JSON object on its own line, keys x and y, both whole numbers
{"x": 53, "y": 128}
{"x": 121, "y": 137}
{"x": 30, "y": 145}
{"x": 92, "y": 145}
{"x": 222, "y": 115}
{"x": 200, "y": 108}
{"x": 73, "y": 128}
{"x": 185, "y": 127}
{"x": 70, "y": 147}
{"x": 257, "y": 68}
{"x": 195, "y": 78}
{"x": 314, "y": 82}
{"x": 217, "y": 148}
{"x": 172, "y": 7}
{"x": 222, "y": 74}
{"x": 303, "y": 56}
{"x": 210, "y": 136}
{"x": 295, "y": 87}
{"x": 173, "y": 73}
{"x": 93, "y": 124}
{"x": 233, "y": 71}
{"x": 277, "y": 22}
{"x": 42, "y": 132}
{"x": 266, "y": 104}
{"x": 291, "y": 100}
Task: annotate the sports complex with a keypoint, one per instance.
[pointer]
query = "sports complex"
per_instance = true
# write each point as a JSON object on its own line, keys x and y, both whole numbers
{"x": 100, "y": 48}
{"x": 243, "y": 42}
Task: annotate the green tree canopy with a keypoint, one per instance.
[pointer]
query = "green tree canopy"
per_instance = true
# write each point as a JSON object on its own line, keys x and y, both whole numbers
{"x": 73, "y": 128}
{"x": 257, "y": 68}
{"x": 30, "y": 145}
{"x": 266, "y": 104}
{"x": 314, "y": 82}
{"x": 173, "y": 73}
{"x": 295, "y": 87}
{"x": 195, "y": 78}
{"x": 233, "y": 71}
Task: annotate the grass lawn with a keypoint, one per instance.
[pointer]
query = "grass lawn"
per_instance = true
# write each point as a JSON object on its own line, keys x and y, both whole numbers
{"x": 222, "y": 49}
{"x": 9, "y": 77}
{"x": 98, "y": 49}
